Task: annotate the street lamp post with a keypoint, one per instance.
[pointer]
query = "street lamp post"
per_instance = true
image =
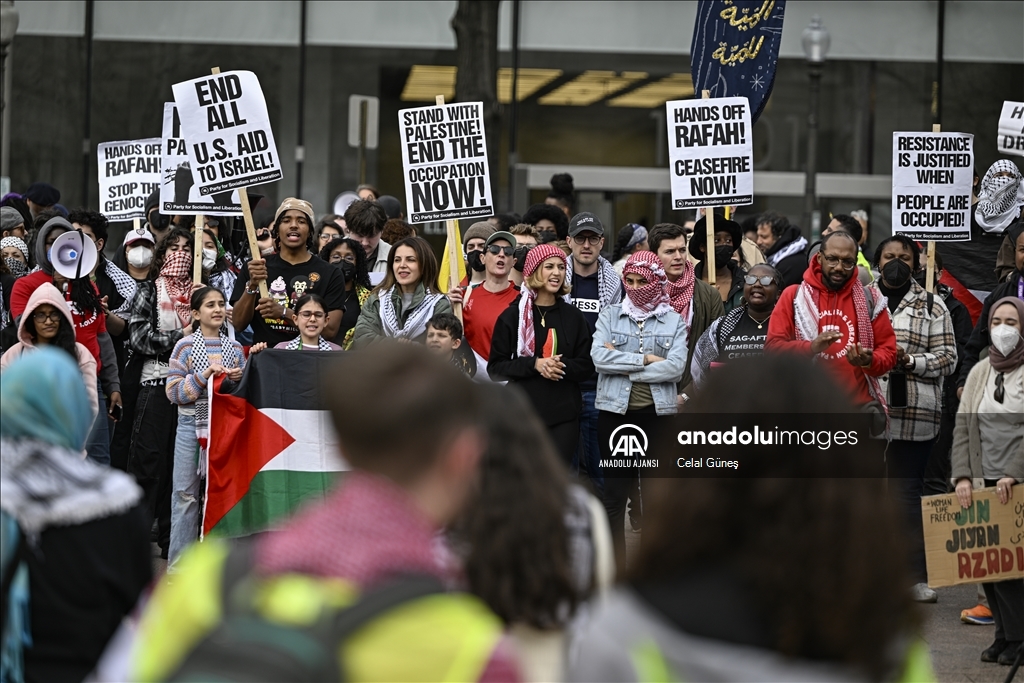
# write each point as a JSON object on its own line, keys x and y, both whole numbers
{"x": 8, "y": 27}
{"x": 815, "y": 41}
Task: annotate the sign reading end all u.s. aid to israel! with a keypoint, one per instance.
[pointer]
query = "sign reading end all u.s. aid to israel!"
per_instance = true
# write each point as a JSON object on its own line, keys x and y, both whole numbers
{"x": 710, "y": 152}
{"x": 227, "y": 131}
{"x": 444, "y": 159}
{"x": 979, "y": 544}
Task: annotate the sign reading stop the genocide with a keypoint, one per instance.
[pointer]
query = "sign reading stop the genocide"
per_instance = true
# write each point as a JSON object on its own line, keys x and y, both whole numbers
{"x": 444, "y": 158}
{"x": 129, "y": 171}
{"x": 710, "y": 152}
{"x": 932, "y": 174}
{"x": 226, "y": 126}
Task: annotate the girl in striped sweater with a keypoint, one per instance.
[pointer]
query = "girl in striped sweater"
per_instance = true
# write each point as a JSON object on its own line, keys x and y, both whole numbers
{"x": 196, "y": 359}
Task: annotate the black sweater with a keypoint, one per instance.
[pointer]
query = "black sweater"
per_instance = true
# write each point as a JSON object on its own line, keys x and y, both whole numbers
{"x": 555, "y": 402}
{"x": 979, "y": 337}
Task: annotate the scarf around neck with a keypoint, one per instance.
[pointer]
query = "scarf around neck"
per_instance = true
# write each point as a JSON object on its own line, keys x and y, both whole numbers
{"x": 416, "y": 318}
{"x": 1001, "y": 197}
{"x": 608, "y": 289}
{"x": 296, "y": 344}
{"x": 1015, "y": 358}
{"x": 796, "y": 246}
{"x": 680, "y": 292}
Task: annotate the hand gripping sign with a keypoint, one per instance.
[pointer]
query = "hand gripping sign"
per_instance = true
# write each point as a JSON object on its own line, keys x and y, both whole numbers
{"x": 227, "y": 129}
{"x": 444, "y": 158}
{"x": 128, "y": 173}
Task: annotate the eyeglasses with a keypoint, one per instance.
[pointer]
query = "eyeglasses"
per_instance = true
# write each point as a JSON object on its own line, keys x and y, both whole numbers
{"x": 765, "y": 280}
{"x": 583, "y": 239}
{"x": 495, "y": 249}
{"x": 40, "y": 316}
{"x": 833, "y": 261}
{"x": 315, "y": 315}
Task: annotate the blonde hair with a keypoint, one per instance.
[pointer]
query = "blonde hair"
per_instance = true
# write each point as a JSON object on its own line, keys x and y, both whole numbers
{"x": 536, "y": 280}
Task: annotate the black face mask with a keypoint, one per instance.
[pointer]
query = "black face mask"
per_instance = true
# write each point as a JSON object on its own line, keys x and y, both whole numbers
{"x": 896, "y": 273}
{"x": 348, "y": 269}
{"x": 475, "y": 260}
{"x": 722, "y": 255}
{"x": 520, "y": 255}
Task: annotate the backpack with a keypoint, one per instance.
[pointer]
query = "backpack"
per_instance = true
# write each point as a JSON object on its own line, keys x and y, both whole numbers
{"x": 246, "y": 646}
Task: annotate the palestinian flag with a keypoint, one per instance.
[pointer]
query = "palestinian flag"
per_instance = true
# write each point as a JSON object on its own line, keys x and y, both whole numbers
{"x": 272, "y": 444}
{"x": 969, "y": 267}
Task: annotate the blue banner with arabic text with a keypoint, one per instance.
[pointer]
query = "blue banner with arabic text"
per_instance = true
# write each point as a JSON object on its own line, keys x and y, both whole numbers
{"x": 735, "y": 49}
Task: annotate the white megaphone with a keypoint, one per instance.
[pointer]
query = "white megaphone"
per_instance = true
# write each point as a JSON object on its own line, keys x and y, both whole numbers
{"x": 73, "y": 255}
{"x": 343, "y": 201}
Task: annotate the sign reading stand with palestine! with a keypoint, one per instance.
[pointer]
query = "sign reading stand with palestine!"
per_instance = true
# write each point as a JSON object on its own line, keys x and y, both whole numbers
{"x": 932, "y": 175}
{"x": 444, "y": 158}
{"x": 710, "y": 152}
{"x": 129, "y": 171}
{"x": 227, "y": 131}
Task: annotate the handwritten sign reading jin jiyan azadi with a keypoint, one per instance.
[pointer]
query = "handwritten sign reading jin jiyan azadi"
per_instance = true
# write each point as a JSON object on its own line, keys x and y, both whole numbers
{"x": 735, "y": 49}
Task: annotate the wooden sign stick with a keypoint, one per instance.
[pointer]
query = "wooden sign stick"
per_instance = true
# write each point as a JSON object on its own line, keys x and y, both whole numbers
{"x": 709, "y": 214}
{"x": 453, "y": 248}
{"x": 197, "y": 249}
{"x": 929, "y": 276}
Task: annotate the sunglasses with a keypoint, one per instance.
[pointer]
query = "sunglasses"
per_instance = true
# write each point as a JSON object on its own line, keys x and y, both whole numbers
{"x": 765, "y": 280}
{"x": 495, "y": 249}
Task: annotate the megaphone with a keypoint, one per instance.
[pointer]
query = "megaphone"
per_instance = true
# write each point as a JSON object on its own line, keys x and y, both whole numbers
{"x": 343, "y": 201}
{"x": 73, "y": 255}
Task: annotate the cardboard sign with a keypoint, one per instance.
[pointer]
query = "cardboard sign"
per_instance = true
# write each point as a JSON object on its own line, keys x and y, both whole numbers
{"x": 931, "y": 185}
{"x": 710, "y": 152}
{"x": 1011, "y": 129}
{"x": 129, "y": 171}
{"x": 444, "y": 159}
{"x": 983, "y": 543}
{"x": 227, "y": 129}
{"x": 178, "y": 190}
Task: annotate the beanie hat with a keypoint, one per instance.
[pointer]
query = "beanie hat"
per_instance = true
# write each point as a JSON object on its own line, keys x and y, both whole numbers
{"x": 538, "y": 255}
{"x": 481, "y": 230}
{"x": 10, "y": 218}
{"x": 297, "y": 204}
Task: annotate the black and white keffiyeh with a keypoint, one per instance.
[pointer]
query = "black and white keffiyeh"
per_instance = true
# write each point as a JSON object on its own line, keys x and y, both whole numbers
{"x": 124, "y": 284}
{"x": 609, "y": 288}
{"x": 1001, "y": 197}
{"x": 796, "y": 246}
{"x": 415, "y": 324}
{"x": 296, "y": 344}
{"x": 709, "y": 346}
{"x": 43, "y": 485}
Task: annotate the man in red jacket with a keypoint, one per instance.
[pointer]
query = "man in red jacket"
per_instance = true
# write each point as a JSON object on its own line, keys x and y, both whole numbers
{"x": 830, "y": 316}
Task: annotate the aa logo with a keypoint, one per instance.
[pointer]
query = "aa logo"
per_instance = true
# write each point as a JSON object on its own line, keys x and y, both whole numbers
{"x": 628, "y": 441}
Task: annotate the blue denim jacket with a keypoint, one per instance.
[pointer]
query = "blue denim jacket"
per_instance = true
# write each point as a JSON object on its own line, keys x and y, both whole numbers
{"x": 663, "y": 336}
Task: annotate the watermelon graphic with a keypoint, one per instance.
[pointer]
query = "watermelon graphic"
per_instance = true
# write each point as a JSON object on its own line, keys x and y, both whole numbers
{"x": 551, "y": 345}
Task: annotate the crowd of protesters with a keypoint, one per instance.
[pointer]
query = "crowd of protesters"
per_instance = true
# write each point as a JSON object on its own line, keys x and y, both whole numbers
{"x": 477, "y": 509}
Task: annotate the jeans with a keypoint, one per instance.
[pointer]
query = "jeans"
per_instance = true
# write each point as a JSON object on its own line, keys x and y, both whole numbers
{"x": 97, "y": 445}
{"x": 907, "y": 463}
{"x": 185, "y": 482}
{"x": 588, "y": 455}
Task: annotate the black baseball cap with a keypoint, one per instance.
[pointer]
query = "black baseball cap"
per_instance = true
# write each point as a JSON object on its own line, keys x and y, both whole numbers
{"x": 585, "y": 222}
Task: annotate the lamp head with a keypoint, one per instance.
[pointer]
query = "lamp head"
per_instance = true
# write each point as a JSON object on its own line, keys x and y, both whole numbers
{"x": 8, "y": 23}
{"x": 816, "y": 41}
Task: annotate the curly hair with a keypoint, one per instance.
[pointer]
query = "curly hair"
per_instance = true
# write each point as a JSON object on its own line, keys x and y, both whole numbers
{"x": 790, "y": 537}
{"x": 396, "y": 230}
{"x": 160, "y": 253}
{"x": 514, "y": 529}
{"x": 362, "y": 269}
{"x": 539, "y": 212}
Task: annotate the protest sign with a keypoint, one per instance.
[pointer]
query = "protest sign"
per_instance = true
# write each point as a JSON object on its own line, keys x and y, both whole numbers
{"x": 711, "y": 152}
{"x": 227, "y": 129}
{"x": 1011, "y": 128}
{"x": 444, "y": 159}
{"x": 981, "y": 544}
{"x": 129, "y": 171}
{"x": 932, "y": 175}
{"x": 178, "y": 191}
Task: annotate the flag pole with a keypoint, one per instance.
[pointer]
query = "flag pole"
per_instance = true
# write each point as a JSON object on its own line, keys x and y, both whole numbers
{"x": 709, "y": 215}
{"x": 929, "y": 277}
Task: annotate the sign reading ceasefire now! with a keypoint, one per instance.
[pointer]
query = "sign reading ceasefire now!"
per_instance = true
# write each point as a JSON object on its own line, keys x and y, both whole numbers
{"x": 980, "y": 544}
{"x": 226, "y": 127}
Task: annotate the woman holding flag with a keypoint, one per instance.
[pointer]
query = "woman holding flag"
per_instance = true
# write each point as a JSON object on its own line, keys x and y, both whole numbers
{"x": 196, "y": 359}
{"x": 542, "y": 343}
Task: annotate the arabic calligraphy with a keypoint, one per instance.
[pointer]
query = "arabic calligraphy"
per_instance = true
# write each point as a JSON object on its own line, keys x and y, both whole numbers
{"x": 746, "y": 21}
{"x": 738, "y": 53}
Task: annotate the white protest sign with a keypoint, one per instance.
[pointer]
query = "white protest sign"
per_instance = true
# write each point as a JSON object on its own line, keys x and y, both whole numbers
{"x": 1011, "y": 129}
{"x": 178, "y": 190}
{"x": 226, "y": 126}
{"x": 931, "y": 185}
{"x": 710, "y": 152}
{"x": 129, "y": 171}
{"x": 444, "y": 159}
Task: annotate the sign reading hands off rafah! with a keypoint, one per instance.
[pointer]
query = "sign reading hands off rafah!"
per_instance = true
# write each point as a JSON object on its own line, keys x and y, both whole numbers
{"x": 735, "y": 49}
{"x": 128, "y": 172}
{"x": 227, "y": 129}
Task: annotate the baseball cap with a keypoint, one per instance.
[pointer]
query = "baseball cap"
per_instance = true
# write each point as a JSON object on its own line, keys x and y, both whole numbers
{"x": 501, "y": 235}
{"x": 138, "y": 235}
{"x": 585, "y": 222}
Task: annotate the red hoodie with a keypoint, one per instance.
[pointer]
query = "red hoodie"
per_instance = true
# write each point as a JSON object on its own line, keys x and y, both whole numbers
{"x": 836, "y": 312}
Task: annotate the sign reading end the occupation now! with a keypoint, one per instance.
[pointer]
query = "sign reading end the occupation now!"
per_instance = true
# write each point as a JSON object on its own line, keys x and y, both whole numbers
{"x": 932, "y": 175}
{"x": 444, "y": 158}
{"x": 710, "y": 152}
{"x": 225, "y": 122}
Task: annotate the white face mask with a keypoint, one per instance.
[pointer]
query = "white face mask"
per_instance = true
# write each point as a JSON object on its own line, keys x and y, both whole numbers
{"x": 1004, "y": 338}
{"x": 209, "y": 259}
{"x": 140, "y": 257}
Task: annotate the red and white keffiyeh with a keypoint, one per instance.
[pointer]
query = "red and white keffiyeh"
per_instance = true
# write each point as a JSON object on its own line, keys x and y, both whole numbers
{"x": 174, "y": 291}
{"x": 641, "y": 303}
{"x": 680, "y": 292}
{"x": 525, "y": 345}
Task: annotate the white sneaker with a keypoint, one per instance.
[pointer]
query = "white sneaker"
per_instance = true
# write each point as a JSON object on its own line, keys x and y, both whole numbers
{"x": 922, "y": 593}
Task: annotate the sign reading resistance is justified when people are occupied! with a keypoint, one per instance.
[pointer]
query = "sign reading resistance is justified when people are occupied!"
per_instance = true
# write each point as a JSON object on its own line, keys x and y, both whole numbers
{"x": 710, "y": 152}
{"x": 444, "y": 159}
{"x": 932, "y": 175}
